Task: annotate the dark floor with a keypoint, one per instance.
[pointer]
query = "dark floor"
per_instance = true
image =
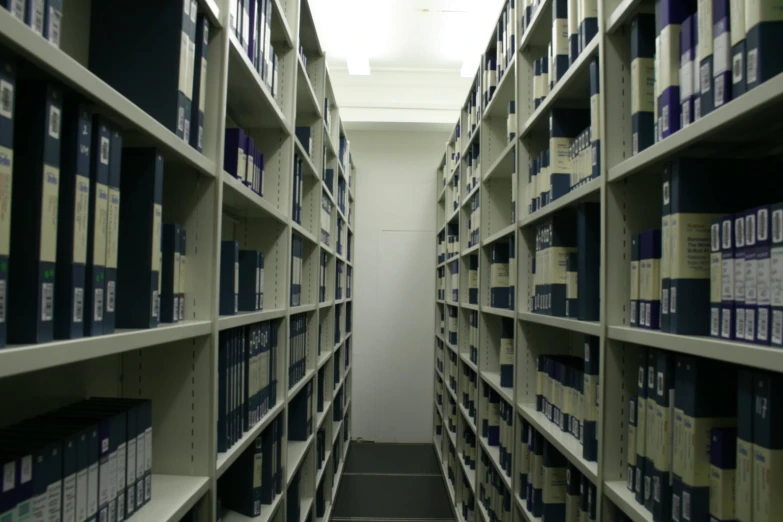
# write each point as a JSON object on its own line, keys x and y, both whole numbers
{"x": 392, "y": 482}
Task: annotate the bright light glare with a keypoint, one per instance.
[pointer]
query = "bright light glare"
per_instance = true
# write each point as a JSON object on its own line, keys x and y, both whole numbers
{"x": 470, "y": 66}
{"x": 358, "y": 65}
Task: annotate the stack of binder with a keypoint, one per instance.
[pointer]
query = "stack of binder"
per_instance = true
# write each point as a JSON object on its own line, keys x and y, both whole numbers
{"x": 44, "y": 455}
{"x": 300, "y": 414}
{"x": 251, "y": 23}
{"x": 469, "y": 447}
{"x": 296, "y": 209}
{"x": 243, "y": 160}
{"x": 298, "y": 348}
{"x": 297, "y": 251}
{"x": 492, "y": 492}
{"x": 326, "y": 219}
{"x": 247, "y": 379}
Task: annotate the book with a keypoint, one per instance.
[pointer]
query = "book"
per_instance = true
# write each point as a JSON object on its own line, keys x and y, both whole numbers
{"x": 34, "y": 224}
{"x": 666, "y": 246}
{"x": 649, "y": 275}
{"x": 721, "y": 47}
{"x": 171, "y": 250}
{"x": 689, "y": 60}
{"x": 507, "y": 352}
{"x": 763, "y": 39}
{"x": 499, "y": 278}
{"x": 72, "y": 221}
{"x": 767, "y": 439}
{"x": 763, "y": 274}
{"x": 635, "y": 279}
{"x": 183, "y": 271}
{"x": 631, "y": 459}
{"x": 745, "y": 476}
{"x": 595, "y": 119}
{"x": 473, "y": 262}
{"x": 572, "y": 285}
{"x": 716, "y": 276}
{"x": 723, "y": 464}
{"x": 564, "y": 126}
{"x": 588, "y": 22}
{"x": 7, "y": 97}
{"x": 705, "y": 20}
{"x": 200, "y": 60}
{"x": 751, "y": 297}
{"x": 740, "y": 253}
{"x": 670, "y": 15}
{"x": 776, "y": 275}
{"x": 589, "y": 432}
{"x": 652, "y": 432}
{"x": 113, "y": 232}
{"x": 554, "y": 487}
{"x": 560, "y": 46}
{"x": 97, "y": 228}
{"x": 588, "y": 240}
{"x": 116, "y": 45}
{"x": 642, "y": 80}
{"x": 36, "y": 11}
{"x": 234, "y": 160}
{"x": 561, "y": 243}
{"x": 641, "y": 426}
{"x": 16, "y": 8}
{"x": 229, "y": 277}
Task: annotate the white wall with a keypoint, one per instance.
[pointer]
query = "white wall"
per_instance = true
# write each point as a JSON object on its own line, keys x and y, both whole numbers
{"x": 394, "y": 281}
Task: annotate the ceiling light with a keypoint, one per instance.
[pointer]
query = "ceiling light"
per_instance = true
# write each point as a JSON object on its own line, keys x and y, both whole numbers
{"x": 358, "y": 66}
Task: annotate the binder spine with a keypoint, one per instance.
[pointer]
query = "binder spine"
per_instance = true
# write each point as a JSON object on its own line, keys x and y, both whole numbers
{"x": 97, "y": 230}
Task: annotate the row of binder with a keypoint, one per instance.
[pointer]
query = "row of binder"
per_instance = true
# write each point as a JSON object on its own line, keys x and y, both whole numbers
{"x": 76, "y": 262}
{"x": 304, "y": 134}
{"x": 492, "y": 492}
{"x": 473, "y": 109}
{"x": 298, "y": 186}
{"x": 708, "y": 270}
{"x": 451, "y": 415}
{"x": 565, "y": 265}
{"x": 256, "y": 477}
{"x": 300, "y": 414}
{"x": 44, "y": 22}
{"x": 506, "y": 353}
{"x": 452, "y": 373}
{"x": 702, "y": 435}
{"x": 472, "y": 166}
{"x": 453, "y": 312}
{"x": 451, "y": 465}
{"x": 448, "y": 243}
{"x": 322, "y": 279}
{"x": 326, "y": 219}
{"x": 297, "y": 266}
{"x": 441, "y": 283}
{"x": 297, "y": 350}
{"x": 251, "y": 22}
{"x": 338, "y": 322}
{"x": 497, "y": 426}
{"x": 469, "y": 387}
{"x": 469, "y": 445}
{"x": 506, "y": 37}
{"x": 87, "y": 461}
{"x": 473, "y": 278}
{"x": 247, "y": 379}
{"x": 454, "y": 280}
{"x": 474, "y": 220}
{"x": 243, "y": 160}
{"x": 241, "y": 279}
{"x": 175, "y": 60}
{"x": 474, "y": 336}
{"x": 725, "y": 49}
{"x": 468, "y": 504}
{"x": 439, "y": 364}
{"x": 453, "y": 194}
{"x": 342, "y": 232}
{"x": 567, "y": 395}
{"x": 550, "y": 485}
{"x": 502, "y": 273}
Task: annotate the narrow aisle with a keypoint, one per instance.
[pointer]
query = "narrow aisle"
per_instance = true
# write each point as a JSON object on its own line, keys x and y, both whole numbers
{"x": 392, "y": 482}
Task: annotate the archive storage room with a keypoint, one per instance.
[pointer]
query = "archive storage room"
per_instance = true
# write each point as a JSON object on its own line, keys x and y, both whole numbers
{"x": 568, "y": 250}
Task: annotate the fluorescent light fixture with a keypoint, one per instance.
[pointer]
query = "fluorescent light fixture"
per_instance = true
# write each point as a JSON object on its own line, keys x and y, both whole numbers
{"x": 469, "y": 66}
{"x": 358, "y": 65}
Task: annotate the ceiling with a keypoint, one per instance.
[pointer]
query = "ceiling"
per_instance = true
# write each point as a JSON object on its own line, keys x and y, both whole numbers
{"x": 415, "y": 48}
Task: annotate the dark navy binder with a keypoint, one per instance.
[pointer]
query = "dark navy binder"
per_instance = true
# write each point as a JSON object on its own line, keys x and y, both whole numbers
{"x": 763, "y": 43}
{"x": 588, "y": 241}
{"x": 171, "y": 249}
{"x": 72, "y": 221}
{"x": 131, "y": 60}
{"x": 229, "y": 277}
{"x": 113, "y": 232}
{"x": 141, "y": 212}
{"x": 553, "y": 501}
{"x": 595, "y": 119}
{"x": 199, "y": 83}
{"x": 98, "y": 227}
{"x": 642, "y": 76}
{"x": 591, "y": 393}
{"x": 34, "y": 224}
{"x": 7, "y": 89}
{"x": 723, "y": 464}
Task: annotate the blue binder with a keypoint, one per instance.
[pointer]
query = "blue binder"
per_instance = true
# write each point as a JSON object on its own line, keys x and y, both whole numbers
{"x": 95, "y": 299}
{"x": 34, "y": 224}
{"x": 72, "y": 221}
{"x": 229, "y": 277}
{"x": 113, "y": 233}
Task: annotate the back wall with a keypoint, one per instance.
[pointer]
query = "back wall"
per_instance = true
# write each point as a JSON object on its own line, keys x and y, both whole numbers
{"x": 394, "y": 281}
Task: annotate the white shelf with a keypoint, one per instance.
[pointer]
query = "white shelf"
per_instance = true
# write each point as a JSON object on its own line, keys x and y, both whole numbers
{"x": 575, "y": 83}
{"x": 539, "y": 32}
{"x": 565, "y": 443}
{"x": 469, "y": 306}
{"x": 470, "y": 473}
{"x": 224, "y": 460}
{"x": 172, "y": 498}
{"x": 738, "y": 113}
{"x": 493, "y": 379}
{"x": 618, "y": 493}
{"x": 299, "y": 386}
{"x": 623, "y": 13}
{"x": 494, "y": 106}
{"x": 745, "y": 354}
{"x": 239, "y": 199}
{"x": 503, "y": 232}
{"x": 451, "y": 392}
{"x": 324, "y": 358}
{"x": 574, "y": 325}
{"x": 466, "y": 359}
{"x": 18, "y": 37}
{"x": 305, "y": 506}
{"x": 296, "y": 454}
{"x": 302, "y": 231}
{"x": 468, "y": 418}
{"x": 494, "y": 456}
{"x": 19, "y": 359}
{"x": 321, "y": 417}
{"x": 572, "y": 198}
{"x": 336, "y": 485}
{"x": 502, "y": 312}
{"x": 305, "y": 91}
{"x": 302, "y": 309}
{"x": 307, "y": 161}
{"x": 470, "y": 250}
{"x": 505, "y": 159}
{"x": 226, "y": 322}
{"x": 267, "y": 512}
{"x": 212, "y": 11}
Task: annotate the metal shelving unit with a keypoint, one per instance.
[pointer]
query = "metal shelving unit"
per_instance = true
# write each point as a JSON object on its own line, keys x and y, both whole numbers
{"x": 176, "y": 365}
{"x": 627, "y": 190}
